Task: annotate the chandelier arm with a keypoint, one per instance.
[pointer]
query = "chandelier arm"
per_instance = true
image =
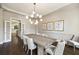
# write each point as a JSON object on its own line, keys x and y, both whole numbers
{"x": 34, "y": 6}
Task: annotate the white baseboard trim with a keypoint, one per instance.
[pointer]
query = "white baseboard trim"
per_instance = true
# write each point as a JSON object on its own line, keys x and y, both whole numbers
{"x": 7, "y": 41}
{"x": 1, "y": 42}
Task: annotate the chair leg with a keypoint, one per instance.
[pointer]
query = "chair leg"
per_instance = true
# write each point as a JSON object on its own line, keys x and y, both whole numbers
{"x": 31, "y": 52}
{"x": 23, "y": 46}
{"x": 27, "y": 51}
{"x": 74, "y": 48}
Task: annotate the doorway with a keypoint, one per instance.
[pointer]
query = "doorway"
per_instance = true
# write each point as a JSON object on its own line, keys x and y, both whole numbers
{"x": 15, "y": 30}
{"x": 7, "y": 31}
{"x": 16, "y": 27}
{"x": 12, "y": 28}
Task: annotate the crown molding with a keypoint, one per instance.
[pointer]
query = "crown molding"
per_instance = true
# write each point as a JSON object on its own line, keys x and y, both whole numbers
{"x": 6, "y": 8}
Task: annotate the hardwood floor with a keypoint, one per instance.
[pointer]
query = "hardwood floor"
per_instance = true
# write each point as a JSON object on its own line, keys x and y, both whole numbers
{"x": 69, "y": 50}
{"x": 15, "y": 47}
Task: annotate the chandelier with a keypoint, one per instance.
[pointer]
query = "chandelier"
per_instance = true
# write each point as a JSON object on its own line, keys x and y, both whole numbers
{"x": 34, "y": 18}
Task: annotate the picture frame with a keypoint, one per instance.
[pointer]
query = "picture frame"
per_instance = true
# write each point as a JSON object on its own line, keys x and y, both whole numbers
{"x": 44, "y": 26}
{"x": 59, "y": 25}
{"x": 50, "y": 26}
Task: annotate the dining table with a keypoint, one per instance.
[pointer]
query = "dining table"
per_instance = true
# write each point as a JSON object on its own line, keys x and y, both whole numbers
{"x": 42, "y": 42}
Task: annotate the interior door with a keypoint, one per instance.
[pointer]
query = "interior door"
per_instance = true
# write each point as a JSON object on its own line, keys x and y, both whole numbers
{"x": 7, "y": 31}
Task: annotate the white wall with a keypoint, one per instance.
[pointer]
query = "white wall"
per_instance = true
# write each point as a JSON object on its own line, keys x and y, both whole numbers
{"x": 27, "y": 26}
{"x": 7, "y": 15}
{"x": 70, "y": 15}
{"x": 1, "y": 26}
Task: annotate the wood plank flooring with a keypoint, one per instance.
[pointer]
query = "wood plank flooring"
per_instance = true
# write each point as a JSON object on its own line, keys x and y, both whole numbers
{"x": 12, "y": 48}
{"x": 15, "y": 47}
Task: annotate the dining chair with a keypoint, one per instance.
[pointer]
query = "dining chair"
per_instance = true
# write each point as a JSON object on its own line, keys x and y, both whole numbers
{"x": 25, "y": 42}
{"x": 49, "y": 49}
{"x": 31, "y": 45}
{"x": 58, "y": 50}
{"x": 74, "y": 42}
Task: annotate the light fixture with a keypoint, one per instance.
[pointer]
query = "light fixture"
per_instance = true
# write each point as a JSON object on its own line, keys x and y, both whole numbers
{"x": 35, "y": 17}
{"x": 41, "y": 19}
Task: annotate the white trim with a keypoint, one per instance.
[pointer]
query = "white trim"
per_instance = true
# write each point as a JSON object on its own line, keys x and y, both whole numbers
{"x": 1, "y": 42}
{"x": 4, "y": 7}
{"x": 10, "y": 20}
{"x": 5, "y": 31}
{"x": 17, "y": 19}
{"x": 7, "y": 41}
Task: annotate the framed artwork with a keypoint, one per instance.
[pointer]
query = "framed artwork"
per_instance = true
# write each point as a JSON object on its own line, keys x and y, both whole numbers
{"x": 44, "y": 26}
{"x": 59, "y": 25}
{"x": 50, "y": 26}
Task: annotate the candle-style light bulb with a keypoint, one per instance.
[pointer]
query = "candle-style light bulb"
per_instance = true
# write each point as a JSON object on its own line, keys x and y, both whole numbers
{"x": 27, "y": 17}
{"x": 41, "y": 19}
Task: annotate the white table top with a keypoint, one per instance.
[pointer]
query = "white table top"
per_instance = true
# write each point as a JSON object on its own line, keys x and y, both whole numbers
{"x": 42, "y": 40}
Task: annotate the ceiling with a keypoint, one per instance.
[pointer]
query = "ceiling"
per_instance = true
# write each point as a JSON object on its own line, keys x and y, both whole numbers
{"x": 27, "y": 8}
